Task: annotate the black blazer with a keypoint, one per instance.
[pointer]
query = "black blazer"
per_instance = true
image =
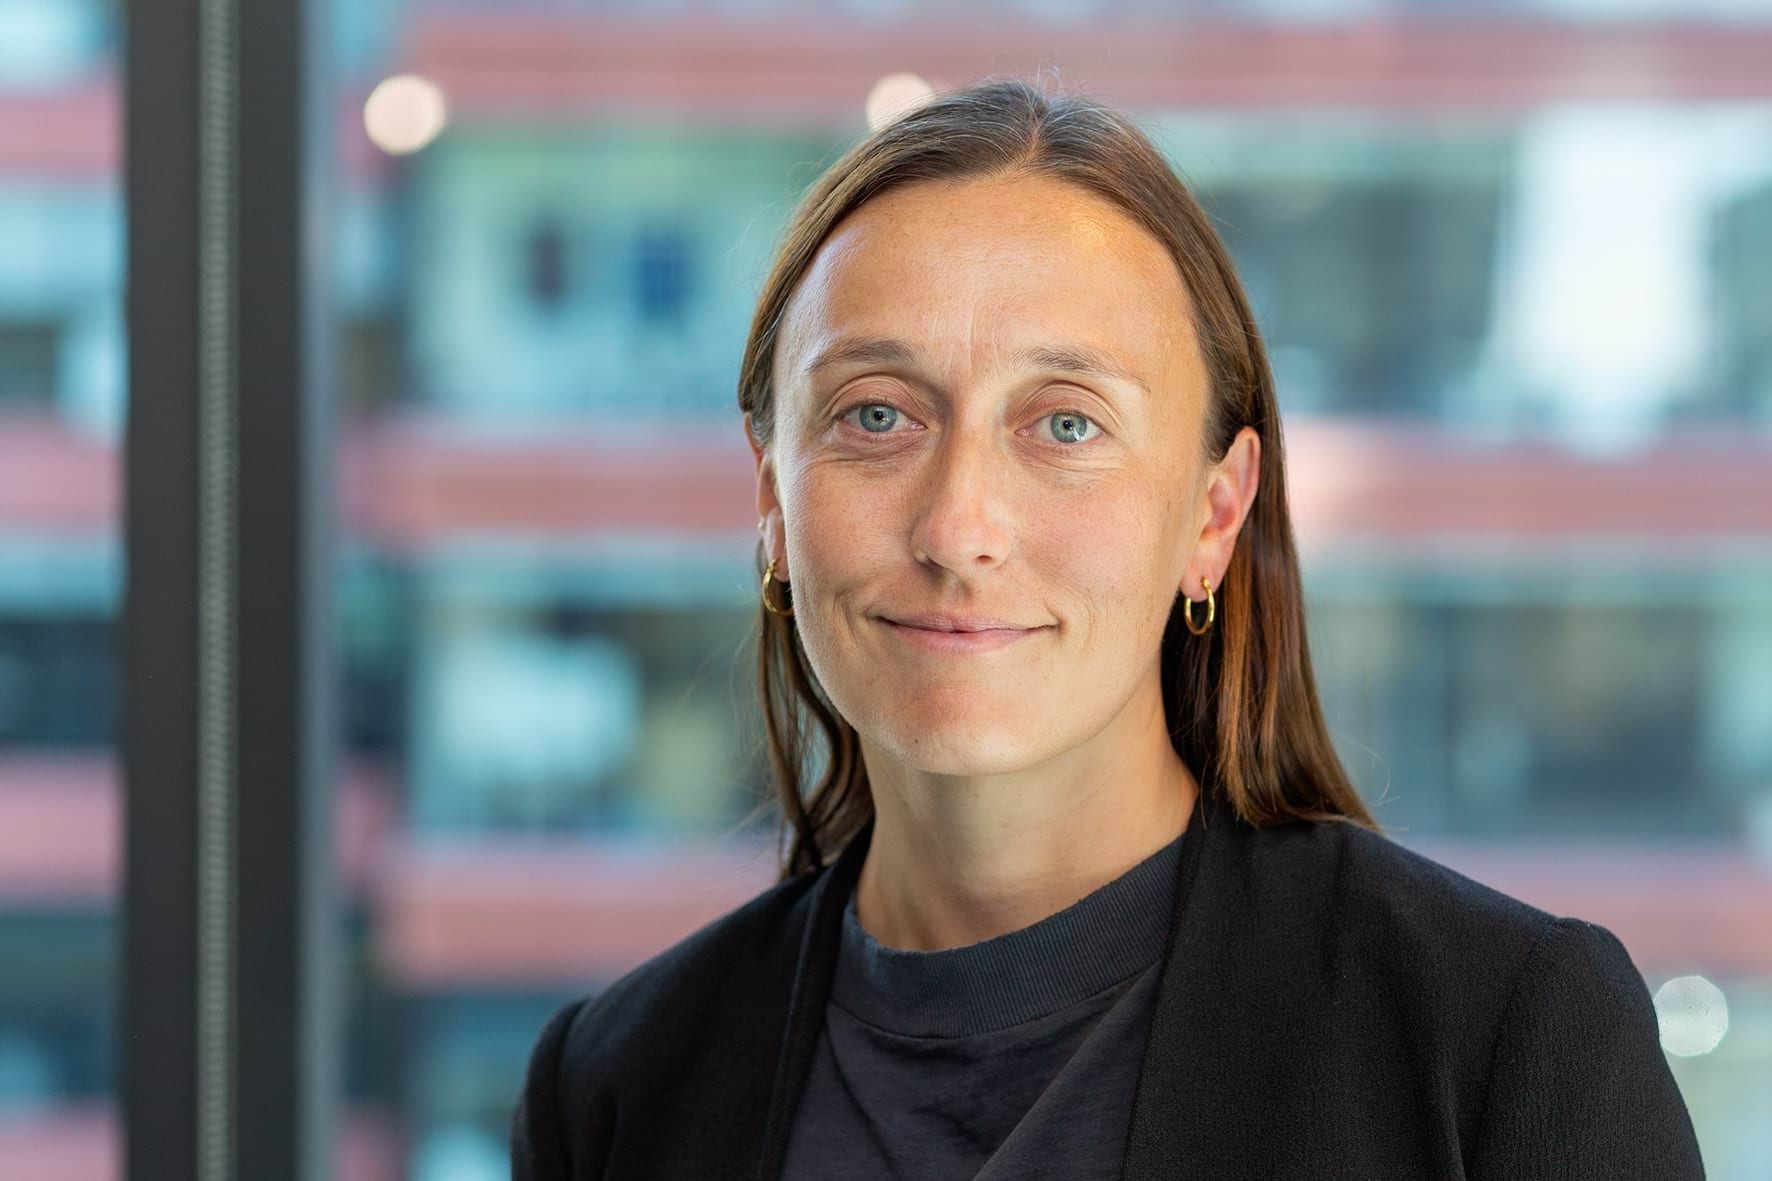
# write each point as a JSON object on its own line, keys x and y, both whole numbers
{"x": 1332, "y": 1005}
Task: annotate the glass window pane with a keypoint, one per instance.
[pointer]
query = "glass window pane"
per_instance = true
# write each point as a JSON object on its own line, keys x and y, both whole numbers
{"x": 62, "y": 375}
{"x": 1519, "y": 319}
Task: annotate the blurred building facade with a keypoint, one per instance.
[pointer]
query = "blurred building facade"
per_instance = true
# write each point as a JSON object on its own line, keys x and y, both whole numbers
{"x": 1515, "y": 271}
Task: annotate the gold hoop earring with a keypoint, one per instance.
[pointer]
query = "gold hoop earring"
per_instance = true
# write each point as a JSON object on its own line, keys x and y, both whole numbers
{"x": 1187, "y": 610}
{"x": 768, "y": 577}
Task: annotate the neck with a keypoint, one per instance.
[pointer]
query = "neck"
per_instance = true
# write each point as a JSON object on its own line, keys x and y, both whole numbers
{"x": 957, "y": 860}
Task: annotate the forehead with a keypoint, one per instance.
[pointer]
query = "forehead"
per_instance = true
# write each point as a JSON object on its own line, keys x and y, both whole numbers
{"x": 963, "y": 270}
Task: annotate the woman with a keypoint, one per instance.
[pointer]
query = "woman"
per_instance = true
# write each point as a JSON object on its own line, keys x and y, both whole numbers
{"x": 1082, "y": 890}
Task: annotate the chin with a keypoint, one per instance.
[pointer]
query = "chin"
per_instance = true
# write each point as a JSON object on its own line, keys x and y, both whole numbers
{"x": 957, "y": 746}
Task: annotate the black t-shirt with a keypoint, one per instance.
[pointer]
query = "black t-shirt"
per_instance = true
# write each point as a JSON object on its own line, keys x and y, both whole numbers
{"x": 1014, "y": 1057}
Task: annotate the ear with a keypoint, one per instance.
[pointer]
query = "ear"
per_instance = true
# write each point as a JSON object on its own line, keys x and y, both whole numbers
{"x": 768, "y": 504}
{"x": 1231, "y": 484}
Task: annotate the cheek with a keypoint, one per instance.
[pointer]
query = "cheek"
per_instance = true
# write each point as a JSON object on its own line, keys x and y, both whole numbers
{"x": 824, "y": 504}
{"x": 839, "y": 528}
{"x": 1121, "y": 593}
{"x": 1108, "y": 547}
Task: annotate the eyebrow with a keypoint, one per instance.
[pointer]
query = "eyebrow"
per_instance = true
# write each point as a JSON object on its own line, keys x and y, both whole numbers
{"x": 1082, "y": 360}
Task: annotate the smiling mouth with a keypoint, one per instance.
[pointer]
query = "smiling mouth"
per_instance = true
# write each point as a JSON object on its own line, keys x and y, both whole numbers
{"x": 940, "y": 640}
{"x": 953, "y": 622}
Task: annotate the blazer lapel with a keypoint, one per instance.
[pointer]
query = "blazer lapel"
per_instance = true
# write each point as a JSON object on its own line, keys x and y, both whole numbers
{"x": 1168, "y": 1080}
{"x": 814, "y": 969}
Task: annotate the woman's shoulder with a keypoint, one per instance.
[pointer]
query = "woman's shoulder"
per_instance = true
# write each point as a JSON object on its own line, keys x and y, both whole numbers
{"x": 1405, "y": 916}
{"x": 1548, "y": 1014}
{"x": 1468, "y": 1014}
{"x": 1371, "y": 878}
{"x": 731, "y": 962}
{"x": 714, "y": 998}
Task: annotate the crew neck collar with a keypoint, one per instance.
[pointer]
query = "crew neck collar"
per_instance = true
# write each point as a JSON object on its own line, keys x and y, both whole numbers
{"x": 1097, "y": 941}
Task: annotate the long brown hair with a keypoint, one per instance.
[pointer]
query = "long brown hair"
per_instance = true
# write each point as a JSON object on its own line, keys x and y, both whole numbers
{"x": 1240, "y": 701}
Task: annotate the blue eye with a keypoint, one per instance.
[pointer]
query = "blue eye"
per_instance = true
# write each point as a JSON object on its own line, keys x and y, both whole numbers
{"x": 877, "y": 415}
{"x": 1068, "y": 425}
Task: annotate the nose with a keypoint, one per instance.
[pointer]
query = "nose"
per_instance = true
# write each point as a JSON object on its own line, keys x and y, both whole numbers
{"x": 964, "y": 523}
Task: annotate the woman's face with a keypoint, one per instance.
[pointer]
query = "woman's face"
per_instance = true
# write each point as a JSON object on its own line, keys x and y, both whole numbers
{"x": 989, "y": 404}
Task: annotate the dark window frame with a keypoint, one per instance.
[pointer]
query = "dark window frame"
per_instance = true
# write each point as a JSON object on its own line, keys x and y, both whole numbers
{"x": 229, "y": 1030}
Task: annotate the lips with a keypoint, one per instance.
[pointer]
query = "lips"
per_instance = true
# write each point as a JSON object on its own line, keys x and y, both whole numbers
{"x": 950, "y": 633}
{"x": 944, "y": 622}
